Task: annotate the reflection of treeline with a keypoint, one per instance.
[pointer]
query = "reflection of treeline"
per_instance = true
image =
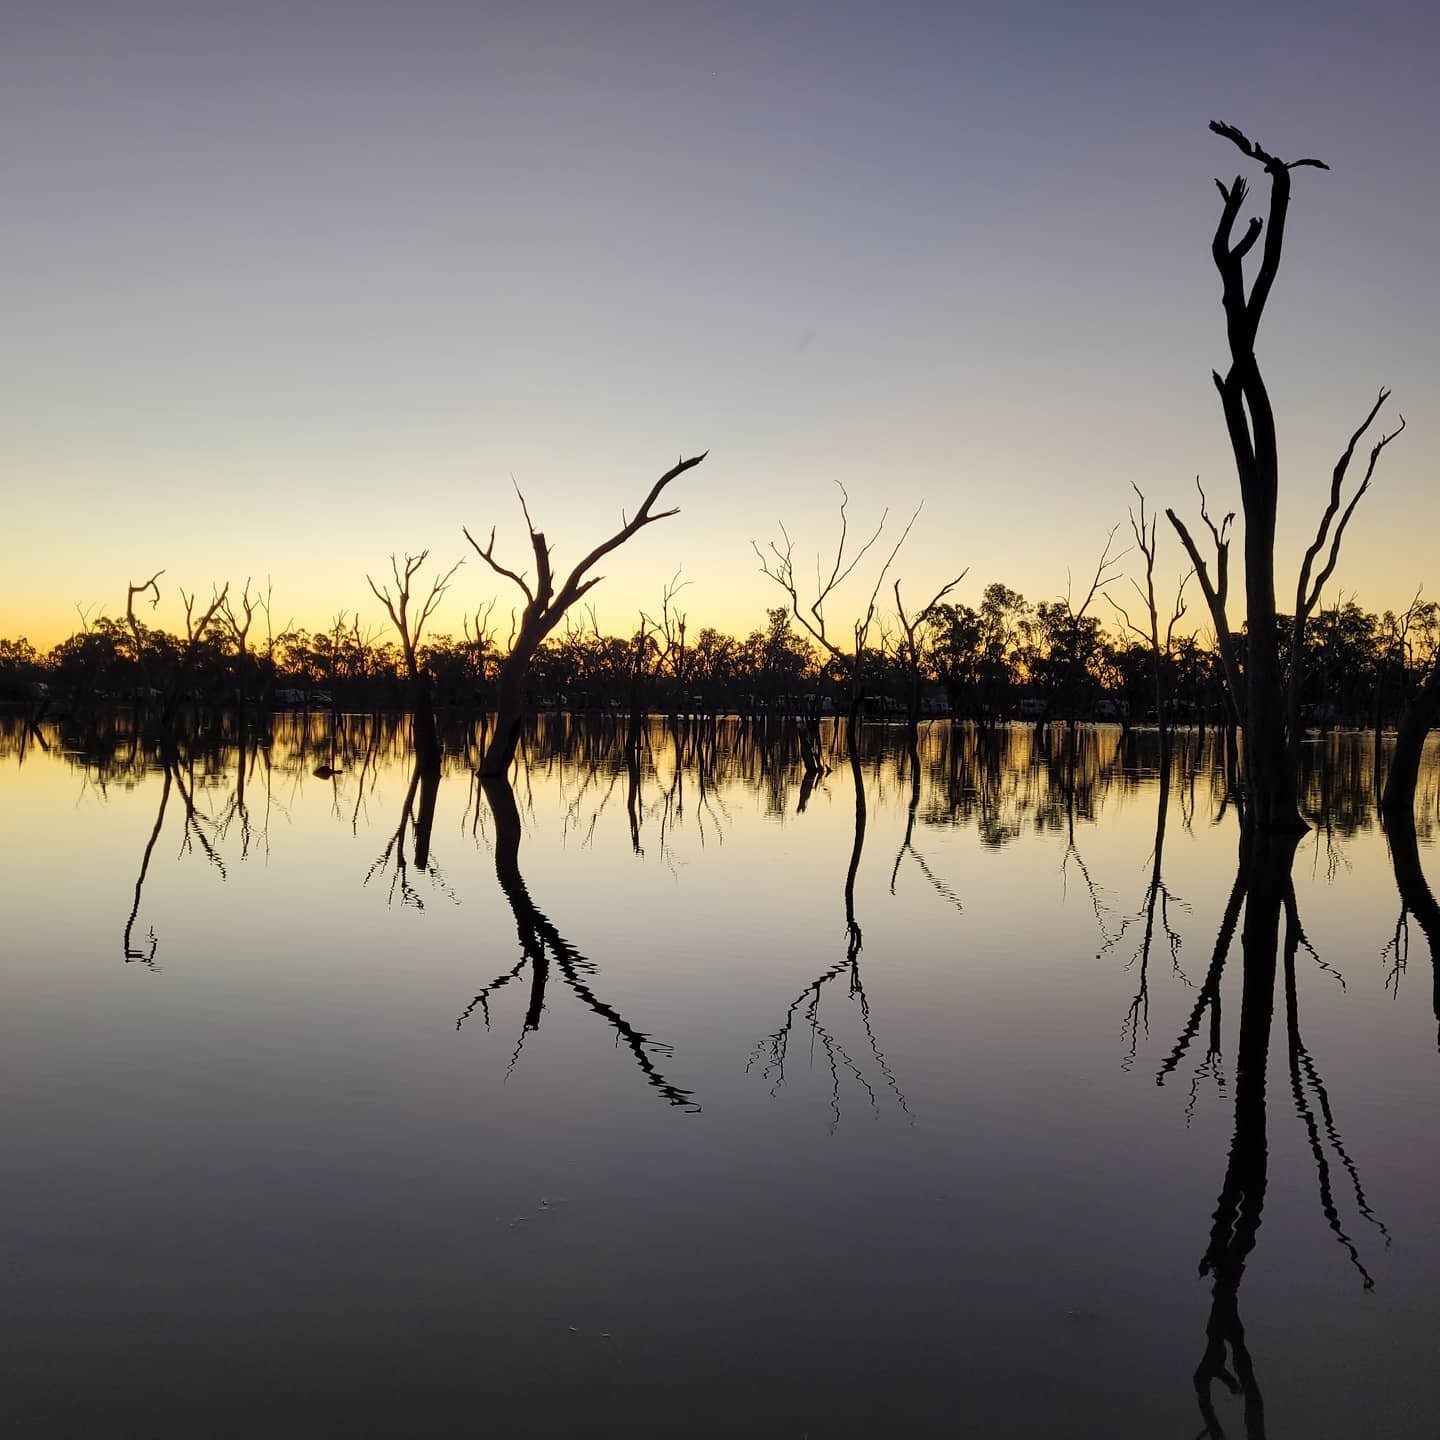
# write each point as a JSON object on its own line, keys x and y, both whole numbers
{"x": 1005, "y": 781}
{"x": 984, "y": 662}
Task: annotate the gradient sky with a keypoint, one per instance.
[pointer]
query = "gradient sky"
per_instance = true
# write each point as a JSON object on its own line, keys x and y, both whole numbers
{"x": 286, "y": 287}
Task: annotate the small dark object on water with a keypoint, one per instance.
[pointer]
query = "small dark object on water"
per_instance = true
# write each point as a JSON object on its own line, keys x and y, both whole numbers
{"x": 324, "y": 772}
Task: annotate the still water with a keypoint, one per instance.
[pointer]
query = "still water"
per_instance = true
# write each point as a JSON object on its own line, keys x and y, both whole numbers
{"x": 691, "y": 1098}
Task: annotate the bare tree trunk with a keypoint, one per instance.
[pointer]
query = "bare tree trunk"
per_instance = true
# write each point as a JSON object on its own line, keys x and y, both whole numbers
{"x": 509, "y": 711}
{"x": 1268, "y": 702}
{"x": 1420, "y": 716}
{"x": 545, "y": 607}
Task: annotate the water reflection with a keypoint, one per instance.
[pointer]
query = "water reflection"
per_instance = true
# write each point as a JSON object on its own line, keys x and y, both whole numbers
{"x": 417, "y": 817}
{"x": 1264, "y": 885}
{"x": 988, "y": 902}
{"x": 1417, "y": 900}
{"x": 541, "y": 942}
{"x": 770, "y": 1055}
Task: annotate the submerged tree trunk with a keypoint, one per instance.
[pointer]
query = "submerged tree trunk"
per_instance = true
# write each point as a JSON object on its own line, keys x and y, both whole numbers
{"x": 1420, "y": 716}
{"x": 426, "y": 735}
{"x": 509, "y": 712}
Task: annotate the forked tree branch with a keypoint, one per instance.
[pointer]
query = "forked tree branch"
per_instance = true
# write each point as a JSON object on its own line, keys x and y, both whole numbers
{"x": 1216, "y": 589}
{"x": 1306, "y": 593}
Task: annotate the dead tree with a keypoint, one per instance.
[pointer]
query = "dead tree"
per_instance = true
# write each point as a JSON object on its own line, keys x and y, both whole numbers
{"x": 411, "y": 627}
{"x": 1420, "y": 716}
{"x": 195, "y": 631}
{"x": 1143, "y": 528}
{"x": 240, "y": 634}
{"x": 1105, "y": 569}
{"x": 911, "y": 648}
{"x": 670, "y": 632}
{"x": 152, "y": 588}
{"x": 779, "y": 565}
{"x": 1266, "y": 699}
{"x": 545, "y": 607}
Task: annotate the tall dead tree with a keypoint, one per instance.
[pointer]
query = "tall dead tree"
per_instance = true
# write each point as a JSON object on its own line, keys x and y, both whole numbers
{"x": 779, "y": 565}
{"x": 151, "y": 587}
{"x": 545, "y": 607}
{"x": 911, "y": 646}
{"x": 1143, "y": 528}
{"x": 238, "y": 624}
{"x": 410, "y": 625}
{"x": 1079, "y": 655}
{"x": 1266, "y": 698}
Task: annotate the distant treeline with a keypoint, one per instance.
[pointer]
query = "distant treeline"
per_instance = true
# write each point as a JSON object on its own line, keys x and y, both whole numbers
{"x": 1007, "y": 658}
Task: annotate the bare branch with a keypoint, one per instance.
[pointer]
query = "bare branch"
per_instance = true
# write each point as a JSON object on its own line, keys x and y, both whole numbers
{"x": 1307, "y": 594}
{"x": 151, "y": 585}
{"x": 487, "y": 554}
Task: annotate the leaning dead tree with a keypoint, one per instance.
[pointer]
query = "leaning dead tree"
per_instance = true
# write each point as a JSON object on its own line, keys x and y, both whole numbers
{"x": 545, "y": 607}
{"x": 779, "y": 565}
{"x": 1267, "y": 698}
{"x": 409, "y": 621}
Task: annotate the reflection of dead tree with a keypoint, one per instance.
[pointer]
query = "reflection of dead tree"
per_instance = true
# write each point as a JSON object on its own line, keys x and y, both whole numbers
{"x": 131, "y": 951}
{"x": 1417, "y": 899}
{"x": 1156, "y": 904}
{"x": 1305, "y": 1082}
{"x": 1265, "y": 884}
{"x": 771, "y": 1053}
{"x": 197, "y": 826}
{"x": 417, "y": 814}
{"x": 238, "y": 808}
{"x": 907, "y": 844}
{"x": 541, "y": 944}
{"x": 1097, "y": 901}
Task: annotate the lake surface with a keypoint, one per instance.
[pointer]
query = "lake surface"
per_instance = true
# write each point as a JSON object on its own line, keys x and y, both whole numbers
{"x": 691, "y": 1099}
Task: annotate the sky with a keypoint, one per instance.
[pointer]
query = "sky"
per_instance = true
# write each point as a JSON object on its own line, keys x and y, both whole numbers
{"x": 289, "y": 287}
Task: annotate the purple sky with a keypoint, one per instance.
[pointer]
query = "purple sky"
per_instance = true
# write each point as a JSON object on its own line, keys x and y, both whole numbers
{"x": 287, "y": 287}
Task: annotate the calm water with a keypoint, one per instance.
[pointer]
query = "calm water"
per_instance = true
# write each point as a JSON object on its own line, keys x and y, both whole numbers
{"x": 691, "y": 1101}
